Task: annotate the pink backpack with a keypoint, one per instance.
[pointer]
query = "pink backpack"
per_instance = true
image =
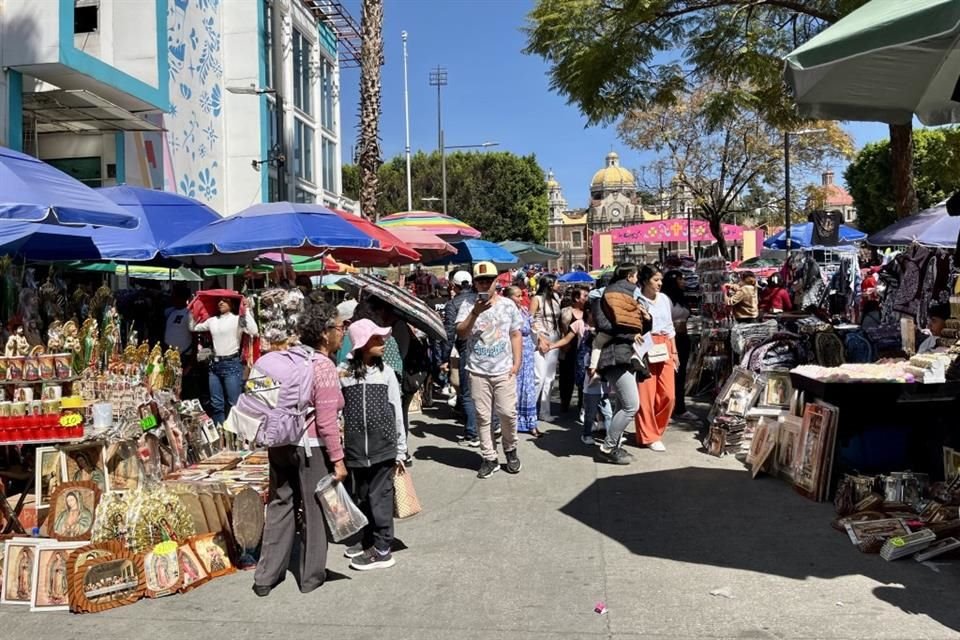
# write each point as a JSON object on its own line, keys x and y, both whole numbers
{"x": 279, "y": 394}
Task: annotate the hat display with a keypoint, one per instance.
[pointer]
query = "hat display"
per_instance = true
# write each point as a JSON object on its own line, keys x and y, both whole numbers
{"x": 485, "y": 270}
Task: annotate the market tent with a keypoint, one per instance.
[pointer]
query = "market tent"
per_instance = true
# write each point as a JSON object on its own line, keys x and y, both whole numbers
{"x": 141, "y": 272}
{"x": 576, "y": 277}
{"x": 884, "y": 62}
{"x": 47, "y": 242}
{"x": 34, "y": 191}
{"x": 529, "y": 251}
{"x": 446, "y": 227}
{"x": 477, "y": 251}
{"x": 306, "y": 229}
{"x": 801, "y": 236}
{"x": 164, "y": 218}
{"x": 429, "y": 246}
{"x": 906, "y": 230}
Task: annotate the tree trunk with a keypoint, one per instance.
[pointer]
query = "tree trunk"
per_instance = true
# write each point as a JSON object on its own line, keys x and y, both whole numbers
{"x": 716, "y": 228}
{"x": 901, "y": 168}
{"x": 371, "y": 59}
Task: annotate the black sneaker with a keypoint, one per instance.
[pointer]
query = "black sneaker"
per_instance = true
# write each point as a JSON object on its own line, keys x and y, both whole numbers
{"x": 513, "y": 462}
{"x": 371, "y": 560}
{"x": 471, "y": 441}
{"x": 488, "y": 468}
{"x": 353, "y": 551}
{"x": 613, "y": 456}
{"x": 408, "y": 461}
{"x": 497, "y": 432}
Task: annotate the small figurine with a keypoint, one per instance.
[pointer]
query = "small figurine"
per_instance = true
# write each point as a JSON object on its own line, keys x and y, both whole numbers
{"x": 17, "y": 343}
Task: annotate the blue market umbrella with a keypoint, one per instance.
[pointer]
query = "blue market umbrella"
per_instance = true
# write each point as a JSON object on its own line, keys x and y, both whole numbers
{"x": 576, "y": 277}
{"x": 801, "y": 237}
{"x": 164, "y": 218}
{"x": 34, "y": 191}
{"x": 296, "y": 228}
{"x": 478, "y": 251}
{"x": 47, "y": 242}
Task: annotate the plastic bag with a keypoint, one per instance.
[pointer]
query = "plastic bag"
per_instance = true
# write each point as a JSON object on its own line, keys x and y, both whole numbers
{"x": 343, "y": 517}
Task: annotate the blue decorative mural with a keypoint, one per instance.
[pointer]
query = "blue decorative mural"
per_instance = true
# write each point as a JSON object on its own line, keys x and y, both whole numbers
{"x": 194, "y": 124}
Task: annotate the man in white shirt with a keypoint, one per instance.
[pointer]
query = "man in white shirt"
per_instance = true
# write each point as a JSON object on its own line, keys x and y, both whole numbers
{"x": 177, "y": 330}
{"x": 226, "y": 367}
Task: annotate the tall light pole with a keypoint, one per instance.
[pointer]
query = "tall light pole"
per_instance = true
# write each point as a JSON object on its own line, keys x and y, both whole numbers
{"x": 406, "y": 116}
{"x": 438, "y": 79}
{"x": 786, "y": 179}
{"x": 443, "y": 162}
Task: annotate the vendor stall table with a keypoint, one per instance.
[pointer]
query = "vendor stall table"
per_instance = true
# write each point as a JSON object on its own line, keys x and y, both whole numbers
{"x": 888, "y": 426}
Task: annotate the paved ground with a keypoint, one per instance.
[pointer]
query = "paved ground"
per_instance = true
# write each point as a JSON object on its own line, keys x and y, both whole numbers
{"x": 529, "y": 556}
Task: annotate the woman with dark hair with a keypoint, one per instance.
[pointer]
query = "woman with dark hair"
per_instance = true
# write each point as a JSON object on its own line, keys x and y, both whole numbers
{"x": 545, "y": 311}
{"x": 675, "y": 288}
{"x": 294, "y": 474}
{"x": 658, "y": 392}
{"x": 621, "y": 323}
{"x": 775, "y": 297}
{"x": 526, "y": 384}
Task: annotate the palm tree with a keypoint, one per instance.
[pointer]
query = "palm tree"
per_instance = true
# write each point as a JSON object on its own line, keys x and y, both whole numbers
{"x": 371, "y": 59}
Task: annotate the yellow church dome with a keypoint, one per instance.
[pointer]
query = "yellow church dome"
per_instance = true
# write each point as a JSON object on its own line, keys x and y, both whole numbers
{"x": 613, "y": 176}
{"x": 552, "y": 181}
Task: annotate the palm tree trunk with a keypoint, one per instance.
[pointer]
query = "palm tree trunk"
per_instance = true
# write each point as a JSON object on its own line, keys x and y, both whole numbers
{"x": 371, "y": 59}
{"x": 901, "y": 166}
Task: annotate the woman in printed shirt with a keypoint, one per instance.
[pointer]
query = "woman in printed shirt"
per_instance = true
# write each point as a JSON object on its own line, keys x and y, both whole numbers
{"x": 294, "y": 475}
{"x": 657, "y": 393}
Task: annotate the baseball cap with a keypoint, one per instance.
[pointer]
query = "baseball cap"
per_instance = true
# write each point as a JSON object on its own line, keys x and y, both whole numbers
{"x": 485, "y": 270}
{"x": 461, "y": 278}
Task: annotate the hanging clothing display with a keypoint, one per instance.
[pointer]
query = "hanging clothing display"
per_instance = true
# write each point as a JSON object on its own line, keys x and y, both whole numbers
{"x": 826, "y": 228}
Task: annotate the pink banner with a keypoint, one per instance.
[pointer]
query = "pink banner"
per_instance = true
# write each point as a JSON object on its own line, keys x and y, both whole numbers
{"x": 672, "y": 231}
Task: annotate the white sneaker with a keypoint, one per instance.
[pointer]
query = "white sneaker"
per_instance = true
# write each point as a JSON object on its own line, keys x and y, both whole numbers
{"x": 452, "y": 402}
{"x": 448, "y": 391}
{"x": 588, "y": 440}
{"x": 580, "y": 419}
{"x": 656, "y": 446}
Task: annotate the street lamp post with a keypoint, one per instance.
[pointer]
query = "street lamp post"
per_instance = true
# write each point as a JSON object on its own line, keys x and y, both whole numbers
{"x": 438, "y": 79}
{"x": 277, "y": 154}
{"x": 786, "y": 178}
{"x": 406, "y": 120}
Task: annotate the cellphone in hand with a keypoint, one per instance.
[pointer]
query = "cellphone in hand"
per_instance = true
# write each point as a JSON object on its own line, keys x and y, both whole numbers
{"x": 485, "y": 295}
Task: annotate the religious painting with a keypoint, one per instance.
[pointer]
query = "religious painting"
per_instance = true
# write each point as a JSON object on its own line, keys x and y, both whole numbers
{"x": 72, "y": 510}
{"x": 192, "y": 573}
{"x": 19, "y": 554}
{"x": 86, "y": 463}
{"x": 51, "y": 471}
{"x": 51, "y": 586}
{"x": 211, "y": 550}
{"x": 778, "y": 390}
{"x": 105, "y": 584}
{"x": 161, "y": 568}
{"x": 124, "y": 471}
{"x": 97, "y": 551}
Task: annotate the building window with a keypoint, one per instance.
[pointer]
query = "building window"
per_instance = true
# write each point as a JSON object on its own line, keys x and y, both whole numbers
{"x": 268, "y": 43}
{"x": 86, "y": 16}
{"x": 271, "y": 122}
{"x": 303, "y": 150}
{"x": 304, "y": 196}
{"x": 327, "y": 114}
{"x": 576, "y": 238}
{"x": 302, "y": 98}
{"x": 273, "y": 188}
{"x": 329, "y": 165}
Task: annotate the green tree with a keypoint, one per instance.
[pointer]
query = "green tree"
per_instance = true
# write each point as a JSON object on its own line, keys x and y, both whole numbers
{"x": 609, "y": 57}
{"x": 718, "y": 164}
{"x": 936, "y": 170}
{"x": 499, "y": 193}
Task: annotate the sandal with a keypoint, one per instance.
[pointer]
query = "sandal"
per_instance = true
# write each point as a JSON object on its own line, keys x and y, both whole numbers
{"x": 536, "y": 433}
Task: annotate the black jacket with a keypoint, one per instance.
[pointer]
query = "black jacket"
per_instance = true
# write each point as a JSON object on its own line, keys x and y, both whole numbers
{"x": 467, "y": 296}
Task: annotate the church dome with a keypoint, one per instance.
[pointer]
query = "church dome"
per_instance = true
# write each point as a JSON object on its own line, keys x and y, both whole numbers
{"x": 613, "y": 176}
{"x": 552, "y": 181}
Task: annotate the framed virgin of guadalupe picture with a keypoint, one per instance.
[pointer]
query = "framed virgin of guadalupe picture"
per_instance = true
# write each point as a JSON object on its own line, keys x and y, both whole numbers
{"x": 161, "y": 569}
{"x": 19, "y": 556}
{"x": 192, "y": 573}
{"x": 72, "y": 509}
{"x": 51, "y": 587}
{"x": 51, "y": 471}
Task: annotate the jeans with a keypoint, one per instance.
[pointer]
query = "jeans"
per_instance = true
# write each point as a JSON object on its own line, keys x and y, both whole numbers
{"x": 466, "y": 399}
{"x": 592, "y": 404}
{"x": 628, "y": 398}
{"x": 226, "y": 384}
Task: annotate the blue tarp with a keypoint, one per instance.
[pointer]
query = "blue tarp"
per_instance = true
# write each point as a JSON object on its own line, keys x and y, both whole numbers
{"x": 33, "y": 191}
{"x": 801, "y": 237}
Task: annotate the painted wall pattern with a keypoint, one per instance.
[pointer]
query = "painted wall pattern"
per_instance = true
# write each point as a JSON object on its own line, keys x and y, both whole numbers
{"x": 194, "y": 136}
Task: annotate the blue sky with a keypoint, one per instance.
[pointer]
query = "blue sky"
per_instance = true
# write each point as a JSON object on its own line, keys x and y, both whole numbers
{"x": 495, "y": 92}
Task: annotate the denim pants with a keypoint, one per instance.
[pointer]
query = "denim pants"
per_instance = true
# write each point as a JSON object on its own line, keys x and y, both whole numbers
{"x": 624, "y": 381}
{"x": 594, "y": 403}
{"x": 466, "y": 398}
{"x": 226, "y": 384}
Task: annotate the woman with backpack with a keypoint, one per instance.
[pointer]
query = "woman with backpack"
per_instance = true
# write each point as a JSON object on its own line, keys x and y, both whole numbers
{"x": 374, "y": 441}
{"x": 294, "y": 472}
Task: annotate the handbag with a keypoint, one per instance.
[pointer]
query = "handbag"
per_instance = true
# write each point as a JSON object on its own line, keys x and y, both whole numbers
{"x": 658, "y": 353}
{"x": 405, "y": 500}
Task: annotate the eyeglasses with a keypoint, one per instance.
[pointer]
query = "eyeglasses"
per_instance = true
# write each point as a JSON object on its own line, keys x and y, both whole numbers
{"x": 340, "y": 328}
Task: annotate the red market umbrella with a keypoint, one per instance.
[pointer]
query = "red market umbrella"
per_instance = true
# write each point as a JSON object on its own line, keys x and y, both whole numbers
{"x": 431, "y": 247}
{"x": 432, "y": 222}
{"x": 392, "y": 251}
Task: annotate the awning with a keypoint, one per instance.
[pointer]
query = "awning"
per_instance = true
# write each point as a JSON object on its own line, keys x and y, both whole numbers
{"x": 80, "y": 111}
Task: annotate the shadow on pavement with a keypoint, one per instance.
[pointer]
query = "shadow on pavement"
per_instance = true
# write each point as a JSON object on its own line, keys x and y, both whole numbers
{"x": 457, "y": 457}
{"x": 447, "y": 430}
{"x": 723, "y": 518}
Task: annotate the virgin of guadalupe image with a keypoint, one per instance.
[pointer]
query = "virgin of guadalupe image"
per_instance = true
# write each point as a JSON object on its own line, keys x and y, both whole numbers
{"x": 76, "y": 519}
{"x": 57, "y": 578}
{"x": 87, "y": 470}
{"x": 190, "y": 572}
{"x": 24, "y": 573}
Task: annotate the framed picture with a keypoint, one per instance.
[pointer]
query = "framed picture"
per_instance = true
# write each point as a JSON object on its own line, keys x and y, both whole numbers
{"x": 161, "y": 569}
{"x": 20, "y": 554}
{"x": 51, "y": 586}
{"x": 72, "y": 509}
{"x": 788, "y": 443}
{"x": 740, "y": 382}
{"x": 90, "y": 552}
{"x": 763, "y": 444}
{"x": 212, "y": 551}
{"x": 777, "y": 390}
{"x": 124, "y": 471}
{"x": 886, "y": 528}
{"x": 192, "y": 573}
{"x": 51, "y": 472}
{"x": 104, "y": 584}
{"x": 86, "y": 463}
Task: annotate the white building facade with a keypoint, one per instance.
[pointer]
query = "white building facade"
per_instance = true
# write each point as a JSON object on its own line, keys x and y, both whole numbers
{"x": 144, "y": 92}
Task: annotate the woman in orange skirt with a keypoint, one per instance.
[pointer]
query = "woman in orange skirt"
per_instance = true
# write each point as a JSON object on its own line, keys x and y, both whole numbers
{"x": 657, "y": 393}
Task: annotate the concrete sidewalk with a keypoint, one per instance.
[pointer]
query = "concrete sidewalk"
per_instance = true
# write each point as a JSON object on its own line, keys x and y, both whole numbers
{"x": 529, "y": 556}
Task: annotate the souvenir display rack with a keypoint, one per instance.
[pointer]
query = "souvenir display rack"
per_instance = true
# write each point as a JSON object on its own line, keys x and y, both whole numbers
{"x": 713, "y": 353}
